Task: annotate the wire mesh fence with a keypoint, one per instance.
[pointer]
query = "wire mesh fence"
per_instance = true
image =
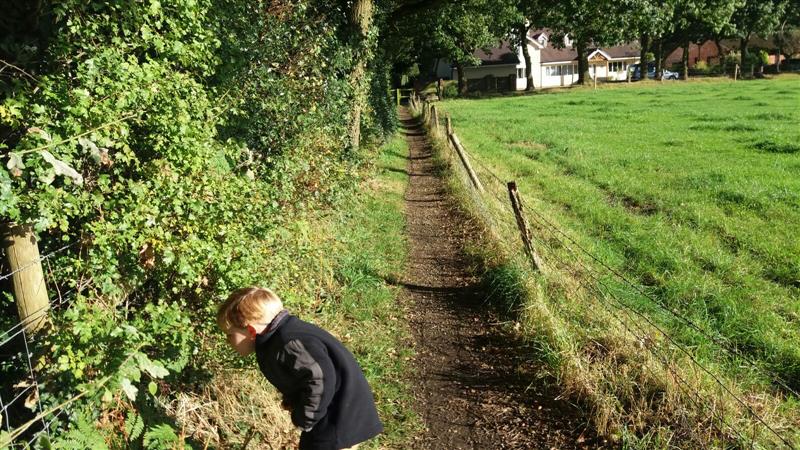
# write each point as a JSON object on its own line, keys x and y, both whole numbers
{"x": 22, "y": 410}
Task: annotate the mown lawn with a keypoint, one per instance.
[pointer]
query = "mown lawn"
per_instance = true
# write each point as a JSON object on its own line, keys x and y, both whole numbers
{"x": 690, "y": 189}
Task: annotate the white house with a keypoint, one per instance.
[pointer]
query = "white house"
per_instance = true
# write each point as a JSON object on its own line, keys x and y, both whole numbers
{"x": 552, "y": 66}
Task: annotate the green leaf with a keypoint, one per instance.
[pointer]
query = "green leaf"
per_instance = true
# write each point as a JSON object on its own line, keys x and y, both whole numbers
{"x": 130, "y": 389}
{"x": 154, "y": 368}
{"x": 134, "y": 425}
{"x": 152, "y": 387}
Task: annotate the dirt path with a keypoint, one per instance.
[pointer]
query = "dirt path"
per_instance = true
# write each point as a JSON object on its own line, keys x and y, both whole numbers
{"x": 474, "y": 387}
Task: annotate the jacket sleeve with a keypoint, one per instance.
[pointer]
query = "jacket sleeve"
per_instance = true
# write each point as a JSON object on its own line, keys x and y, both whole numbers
{"x": 312, "y": 371}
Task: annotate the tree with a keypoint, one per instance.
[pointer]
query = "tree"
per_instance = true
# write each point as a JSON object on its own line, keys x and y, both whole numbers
{"x": 650, "y": 20}
{"x": 590, "y": 23}
{"x": 360, "y": 20}
{"x": 530, "y": 14}
{"x": 787, "y": 33}
{"x": 696, "y": 21}
{"x": 755, "y": 16}
{"x": 458, "y": 29}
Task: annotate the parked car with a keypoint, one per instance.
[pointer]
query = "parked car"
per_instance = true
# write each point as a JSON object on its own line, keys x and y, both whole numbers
{"x": 651, "y": 72}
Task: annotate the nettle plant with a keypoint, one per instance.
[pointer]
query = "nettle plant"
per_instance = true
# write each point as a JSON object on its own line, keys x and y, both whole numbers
{"x": 170, "y": 142}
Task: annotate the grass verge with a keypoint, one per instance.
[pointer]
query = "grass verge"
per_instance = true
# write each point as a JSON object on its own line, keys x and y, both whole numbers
{"x": 347, "y": 262}
{"x": 608, "y": 352}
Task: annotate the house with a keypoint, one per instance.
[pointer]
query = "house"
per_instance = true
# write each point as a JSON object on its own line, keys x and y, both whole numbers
{"x": 503, "y": 67}
{"x": 710, "y": 53}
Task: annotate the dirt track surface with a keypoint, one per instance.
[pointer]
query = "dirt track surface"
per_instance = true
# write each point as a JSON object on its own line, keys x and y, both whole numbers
{"x": 475, "y": 389}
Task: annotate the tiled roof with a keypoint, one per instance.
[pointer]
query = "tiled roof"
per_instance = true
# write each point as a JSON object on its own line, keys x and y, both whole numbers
{"x": 503, "y": 54}
{"x": 622, "y": 51}
{"x": 552, "y": 54}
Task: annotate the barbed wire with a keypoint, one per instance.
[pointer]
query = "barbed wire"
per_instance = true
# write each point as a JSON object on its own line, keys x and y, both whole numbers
{"x": 663, "y": 359}
{"x": 545, "y": 223}
{"x": 680, "y": 347}
{"x": 731, "y": 351}
{"x": 683, "y": 385}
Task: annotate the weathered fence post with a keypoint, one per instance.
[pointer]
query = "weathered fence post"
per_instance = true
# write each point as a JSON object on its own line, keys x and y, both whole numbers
{"x": 735, "y": 72}
{"x": 435, "y": 118}
{"x": 463, "y": 156}
{"x": 449, "y": 124}
{"x": 522, "y": 224}
{"x": 398, "y": 97}
{"x": 30, "y": 291}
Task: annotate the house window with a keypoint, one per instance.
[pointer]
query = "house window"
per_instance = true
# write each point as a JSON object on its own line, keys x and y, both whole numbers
{"x": 616, "y": 66}
{"x": 520, "y": 73}
{"x": 555, "y": 71}
{"x": 567, "y": 69}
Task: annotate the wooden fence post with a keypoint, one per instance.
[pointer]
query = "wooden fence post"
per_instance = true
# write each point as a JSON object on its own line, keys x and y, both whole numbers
{"x": 522, "y": 224}
{"x": 463, "y": 156}
{"x": 735, "y": 72}
{"x": 398, "y": 97}
{"x": 449, "y": 124}
{"x": 435, "y": 118}
{"x": 30, "y": 291}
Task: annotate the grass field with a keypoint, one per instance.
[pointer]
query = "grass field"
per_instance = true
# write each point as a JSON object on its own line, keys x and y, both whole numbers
{"x": 692, "y": 190}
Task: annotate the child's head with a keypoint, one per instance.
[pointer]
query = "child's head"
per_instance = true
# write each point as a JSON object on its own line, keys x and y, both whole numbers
{"x": 245, "y": 313}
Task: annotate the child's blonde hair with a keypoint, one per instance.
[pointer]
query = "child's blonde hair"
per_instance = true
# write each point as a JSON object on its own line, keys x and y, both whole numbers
{"x": 248, "y": 305}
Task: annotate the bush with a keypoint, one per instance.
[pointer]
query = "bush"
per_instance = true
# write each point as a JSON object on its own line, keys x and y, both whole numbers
{"x": 451, "y": 90}
{"x": 171, "y": 143}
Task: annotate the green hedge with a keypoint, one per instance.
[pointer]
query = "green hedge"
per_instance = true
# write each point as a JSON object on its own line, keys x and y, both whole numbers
{"x": 170, "y": 142}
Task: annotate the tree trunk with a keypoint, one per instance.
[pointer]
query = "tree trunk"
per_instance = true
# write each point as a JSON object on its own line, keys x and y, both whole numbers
{"x": 583, "y": 62}
{"x": 779, "y": 37}
{"x": 645, "y": 43}
{"x": 360, "y": 22}
{"x": 659, "y": 59}
{"x": 685, "y": 59}
{"x": 523, "y": 36}
{"x": 720, "y": 56}
{"x": 745, "y": 52}
{"x": 462, "y": 80}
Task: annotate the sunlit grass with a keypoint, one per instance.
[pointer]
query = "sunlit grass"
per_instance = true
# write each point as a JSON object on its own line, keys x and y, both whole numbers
{"x": 691, "y": 190}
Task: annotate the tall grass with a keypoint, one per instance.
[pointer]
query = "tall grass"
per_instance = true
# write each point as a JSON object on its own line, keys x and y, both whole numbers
{"x": 676, "y": 187}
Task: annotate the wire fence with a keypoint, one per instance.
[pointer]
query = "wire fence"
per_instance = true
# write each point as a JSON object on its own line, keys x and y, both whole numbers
{"x": 21, "y": 390}
{"x": 632, "y": 319}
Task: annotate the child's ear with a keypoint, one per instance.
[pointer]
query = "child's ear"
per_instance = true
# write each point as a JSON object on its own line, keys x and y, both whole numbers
{"x": 252, "y": 331}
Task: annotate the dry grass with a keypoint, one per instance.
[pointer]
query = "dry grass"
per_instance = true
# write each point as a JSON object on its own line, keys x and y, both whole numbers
{"x": 236, "y": 407}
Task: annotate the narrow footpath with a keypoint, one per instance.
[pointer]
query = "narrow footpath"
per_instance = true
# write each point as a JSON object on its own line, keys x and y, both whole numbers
{"x": 474, "y": 386}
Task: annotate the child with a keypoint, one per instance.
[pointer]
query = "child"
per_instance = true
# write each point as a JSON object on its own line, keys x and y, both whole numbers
{"x": 323, "y": 386}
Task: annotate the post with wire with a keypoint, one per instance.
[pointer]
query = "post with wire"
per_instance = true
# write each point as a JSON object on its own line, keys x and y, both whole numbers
{"x": 522, "y": 224}
{"x": 30, "y": 291}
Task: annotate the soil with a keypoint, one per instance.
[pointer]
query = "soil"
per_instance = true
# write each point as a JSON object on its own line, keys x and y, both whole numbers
{"x": 476, "y": 385}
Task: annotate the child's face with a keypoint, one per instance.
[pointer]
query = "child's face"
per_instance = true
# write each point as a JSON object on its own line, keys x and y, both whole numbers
{"x": 241, "y": 340}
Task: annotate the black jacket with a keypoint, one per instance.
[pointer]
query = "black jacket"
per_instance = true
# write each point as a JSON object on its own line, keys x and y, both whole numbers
{"x": 321, "y": 381}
